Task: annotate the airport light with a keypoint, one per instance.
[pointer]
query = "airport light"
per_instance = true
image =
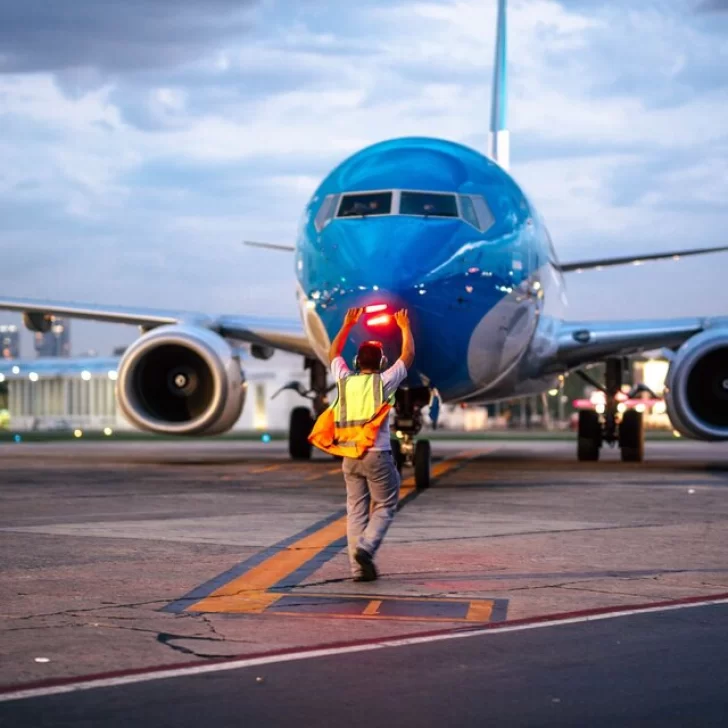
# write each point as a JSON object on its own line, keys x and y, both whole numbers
{"x": 108, "y": 431}
{"x": 2, "y": 378}
{"x": 621, "y": 407}
{"x": 265, "y": 437}
{"x": 675, "y": 433}
{"x": 16, "y": 370}
{"x": 640, "y": 408}
{"x": 33, "y": 376}
{"x": 17, "y": 438}
{"x": 553, "y": 392}
{"x": 78, "y": 433}
{"x": 113, "y": 375}
{"x": 600, "y": 409}
{"x": 660, "y": 408}
{"x": 85, "y": 375}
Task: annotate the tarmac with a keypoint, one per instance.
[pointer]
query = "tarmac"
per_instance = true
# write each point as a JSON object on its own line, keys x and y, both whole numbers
{"x": 123, "y": 560}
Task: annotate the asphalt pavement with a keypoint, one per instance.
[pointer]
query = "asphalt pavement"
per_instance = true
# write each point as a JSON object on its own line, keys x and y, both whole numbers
{"x": 657, "y": 669}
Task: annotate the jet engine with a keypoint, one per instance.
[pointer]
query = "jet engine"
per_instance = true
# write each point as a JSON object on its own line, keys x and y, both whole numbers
{"x": 697, "y": 386}
{"x": 181, "y": 380}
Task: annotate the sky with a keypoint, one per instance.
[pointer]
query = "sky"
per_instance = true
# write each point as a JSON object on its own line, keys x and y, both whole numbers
{"x": 141, "y": 142}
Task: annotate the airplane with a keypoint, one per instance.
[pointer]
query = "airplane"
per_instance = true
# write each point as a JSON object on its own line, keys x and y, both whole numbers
{"x": 438, "y": 228}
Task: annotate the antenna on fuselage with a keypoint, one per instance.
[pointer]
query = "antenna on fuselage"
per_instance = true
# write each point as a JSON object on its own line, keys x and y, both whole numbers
{"x": 499, "y": 139}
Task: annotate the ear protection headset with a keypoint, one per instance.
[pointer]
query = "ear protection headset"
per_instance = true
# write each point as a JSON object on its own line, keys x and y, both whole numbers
{"x": 383, "y": 361}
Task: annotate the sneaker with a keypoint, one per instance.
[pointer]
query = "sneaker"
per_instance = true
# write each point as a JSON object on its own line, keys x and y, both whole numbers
{"x": 368, "y": 570}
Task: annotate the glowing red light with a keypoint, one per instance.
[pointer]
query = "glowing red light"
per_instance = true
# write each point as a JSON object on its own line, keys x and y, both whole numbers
{"x": 375, "y": 308}
{"x": 379, "y": 320}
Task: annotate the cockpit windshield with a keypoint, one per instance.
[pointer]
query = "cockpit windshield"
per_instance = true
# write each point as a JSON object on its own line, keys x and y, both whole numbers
{"x": 472, "y": 209}
{"x": 428, "y": 203}
{"x": 365, "y": 203}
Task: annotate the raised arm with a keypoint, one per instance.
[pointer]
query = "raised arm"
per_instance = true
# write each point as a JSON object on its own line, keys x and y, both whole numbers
{"x": 408, "y": 342}
{"x": 350, "y": 320}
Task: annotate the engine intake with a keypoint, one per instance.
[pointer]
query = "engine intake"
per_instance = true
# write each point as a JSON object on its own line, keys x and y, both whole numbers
{"x": 181, "y": 380}
{"x": 697, "y": 386}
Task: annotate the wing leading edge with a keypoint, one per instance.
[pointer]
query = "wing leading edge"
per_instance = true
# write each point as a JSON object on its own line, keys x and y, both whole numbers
{"x": 279, "y": 333}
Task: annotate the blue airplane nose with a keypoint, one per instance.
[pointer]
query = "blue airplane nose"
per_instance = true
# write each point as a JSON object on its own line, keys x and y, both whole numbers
{"x": 390, "y": 254}
{"x": 416, "y": 263}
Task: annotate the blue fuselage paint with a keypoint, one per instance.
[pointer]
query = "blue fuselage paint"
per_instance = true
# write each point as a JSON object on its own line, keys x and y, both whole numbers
{"x": 474, "y": 297}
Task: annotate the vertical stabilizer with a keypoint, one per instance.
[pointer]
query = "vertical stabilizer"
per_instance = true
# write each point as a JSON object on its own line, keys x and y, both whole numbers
{"x": 499, "y": 140}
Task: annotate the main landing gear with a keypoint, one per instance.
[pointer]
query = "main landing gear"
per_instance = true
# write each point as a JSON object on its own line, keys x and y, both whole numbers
{"x": 407, "y": 423}
{"x": 303, "y": 418}
{"x": 627, "y": 431}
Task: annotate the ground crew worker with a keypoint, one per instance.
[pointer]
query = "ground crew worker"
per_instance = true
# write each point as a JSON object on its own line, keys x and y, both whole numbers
{"x": 356, "y": 426}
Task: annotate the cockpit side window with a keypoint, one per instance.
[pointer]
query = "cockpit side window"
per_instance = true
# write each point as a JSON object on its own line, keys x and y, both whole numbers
{"x": 468, "y": 211}
{"x": 485, "y": 216}
{"x": 475, "y": 212}
{"x": 326, "y": 211}
{"x": 428, "y": 204}
{"x": 365, "y": 204}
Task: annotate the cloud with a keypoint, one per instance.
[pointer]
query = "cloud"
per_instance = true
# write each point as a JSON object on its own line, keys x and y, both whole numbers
{"x": 714, "y": 6}
{"x": 133, "y": 35}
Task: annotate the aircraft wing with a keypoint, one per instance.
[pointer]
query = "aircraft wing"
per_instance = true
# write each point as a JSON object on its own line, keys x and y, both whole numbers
{"x": 580, "y": 342}
{"x": 578, "y": 266}
{"x": 279, "y": 333}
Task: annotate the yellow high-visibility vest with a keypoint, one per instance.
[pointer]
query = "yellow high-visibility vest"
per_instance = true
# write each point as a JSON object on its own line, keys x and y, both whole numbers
{"x": 350, "y": 425}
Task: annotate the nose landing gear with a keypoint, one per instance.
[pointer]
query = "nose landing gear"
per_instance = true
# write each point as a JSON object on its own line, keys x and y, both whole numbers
{"x": 407, "y": 423}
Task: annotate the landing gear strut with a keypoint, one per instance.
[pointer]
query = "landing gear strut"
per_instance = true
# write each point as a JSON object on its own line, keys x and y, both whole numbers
{"x": 407, "y": 423}
{"x": 627, "y": 430}
{"x": 303, "y": 418}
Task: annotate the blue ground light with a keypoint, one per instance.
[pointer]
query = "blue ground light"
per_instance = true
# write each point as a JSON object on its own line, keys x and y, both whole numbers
{"x": 17, "y": 438}
{"x": 265, "y": 437}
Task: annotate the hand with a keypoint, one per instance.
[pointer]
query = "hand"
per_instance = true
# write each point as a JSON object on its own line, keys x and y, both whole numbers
{"x": 402, "y": 319}
{"x": 352, "y": 316}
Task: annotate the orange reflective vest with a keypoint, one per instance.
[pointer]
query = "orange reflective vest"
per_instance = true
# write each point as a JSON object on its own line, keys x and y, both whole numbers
{"x": 349, "y": 427}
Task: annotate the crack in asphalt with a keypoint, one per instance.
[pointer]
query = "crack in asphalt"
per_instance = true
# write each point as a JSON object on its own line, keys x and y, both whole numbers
{"x": 167, "y": 639}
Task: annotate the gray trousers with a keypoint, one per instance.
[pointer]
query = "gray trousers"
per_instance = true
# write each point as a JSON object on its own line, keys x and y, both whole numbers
{"x": 373, "y": 479}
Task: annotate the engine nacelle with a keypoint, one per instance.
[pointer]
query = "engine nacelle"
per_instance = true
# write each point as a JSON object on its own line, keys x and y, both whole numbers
{"x": 697, "y": 386}
{"x": 181, "y": 380}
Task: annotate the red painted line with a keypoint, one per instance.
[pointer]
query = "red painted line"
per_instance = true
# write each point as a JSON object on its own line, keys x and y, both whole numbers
{"x": 479, "y": 628}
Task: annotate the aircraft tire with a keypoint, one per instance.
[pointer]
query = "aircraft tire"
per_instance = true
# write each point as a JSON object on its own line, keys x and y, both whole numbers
{"x": 301, "y": 424}
{"x": 422, "y": 464}
{"x": 632, "y": 437}
{"x": 590, "y": 436}
{"x": 397, "y": 454}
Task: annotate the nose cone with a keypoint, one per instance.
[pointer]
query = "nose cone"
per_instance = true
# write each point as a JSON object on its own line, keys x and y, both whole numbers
{"x": 392, "y": 253}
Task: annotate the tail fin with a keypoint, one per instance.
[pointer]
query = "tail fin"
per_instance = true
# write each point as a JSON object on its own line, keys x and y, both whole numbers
{"x": 499, "y": 139}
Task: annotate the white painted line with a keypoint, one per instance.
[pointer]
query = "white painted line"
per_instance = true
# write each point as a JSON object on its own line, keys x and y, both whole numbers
{"x": 308, "y": 654}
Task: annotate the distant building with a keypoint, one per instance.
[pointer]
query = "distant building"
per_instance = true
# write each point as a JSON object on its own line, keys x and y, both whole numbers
{"x": 9, "y": 342}
{"x": 56, "y": 342}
